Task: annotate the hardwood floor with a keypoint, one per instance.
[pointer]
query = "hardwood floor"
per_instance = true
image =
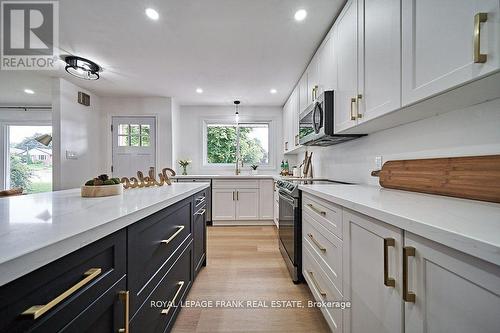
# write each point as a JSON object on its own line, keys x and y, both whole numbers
{"x": 244, "y": 263}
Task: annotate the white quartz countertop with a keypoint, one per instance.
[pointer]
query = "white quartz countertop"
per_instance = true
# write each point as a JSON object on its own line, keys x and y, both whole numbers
{"x": 40, "y": 228}
{"x": 469, "y": 226}
{"x": 241, "y": 176}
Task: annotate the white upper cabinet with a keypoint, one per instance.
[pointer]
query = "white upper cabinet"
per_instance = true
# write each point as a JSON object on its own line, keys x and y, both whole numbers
{"x": 346, "y": 46}
{"x": 312, "y": 79}
{"x": 303, "y": 92}
{"x": 451, "y": 291}
{"x": 439, "y": 44}
{"x": 379, "y": 58}
{"x": 327, "y": 67}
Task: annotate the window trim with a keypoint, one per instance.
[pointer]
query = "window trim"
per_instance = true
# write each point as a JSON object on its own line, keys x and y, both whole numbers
{"x": 230, "y": 121}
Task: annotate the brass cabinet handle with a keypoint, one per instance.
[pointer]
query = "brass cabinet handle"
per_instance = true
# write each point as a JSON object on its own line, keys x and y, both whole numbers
{"x": 200, "y": 212}
{"x": 320, "y": 247}
{"x": 478, "y": 19}
{"x": 37, "y": 311}
{"x": 313, "y": 279}
{"x": 297, "y": 140}
{"x": 233, "y": 195}
{"x": 237, "y": 195}
{"x": 165, "y": 311}
{"x": 353, "y": 115}
{"x": 179, "y": 229}
{"x": 358, "y": 115}
{"x": 125, "y": 298}
{"x": 316, "y": 209}
{"x": 286, "y": 145}
{"x": 389, "y": 282}
{"x": 408, "y": 296}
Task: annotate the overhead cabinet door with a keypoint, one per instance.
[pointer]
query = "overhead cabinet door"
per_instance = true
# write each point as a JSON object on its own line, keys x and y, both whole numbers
{"x": 346, "y": 41}
{"x": 379, "y": 58}
{"x": 447, "y": 43}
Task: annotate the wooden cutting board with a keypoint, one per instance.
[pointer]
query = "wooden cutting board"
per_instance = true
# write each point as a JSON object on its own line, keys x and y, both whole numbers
{"x": 475, "y": 177}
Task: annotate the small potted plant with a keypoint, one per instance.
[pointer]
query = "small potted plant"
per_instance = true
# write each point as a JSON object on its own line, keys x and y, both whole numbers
{"x": 254, "y": 169}
{"x": 184, "y": 164}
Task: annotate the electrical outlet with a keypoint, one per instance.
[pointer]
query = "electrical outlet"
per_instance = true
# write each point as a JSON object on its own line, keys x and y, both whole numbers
{"x": 71, "y": 155}
{"x": 378, "y": 162}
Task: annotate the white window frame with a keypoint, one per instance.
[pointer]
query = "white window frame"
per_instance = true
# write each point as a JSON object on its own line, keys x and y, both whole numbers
{"x": 231, "y": 121}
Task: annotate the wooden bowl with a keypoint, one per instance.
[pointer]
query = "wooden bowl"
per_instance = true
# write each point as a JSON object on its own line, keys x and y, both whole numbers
{"x": 101, "y": 191}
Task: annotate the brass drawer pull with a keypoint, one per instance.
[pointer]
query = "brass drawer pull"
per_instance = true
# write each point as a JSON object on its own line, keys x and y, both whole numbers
{"x": 317, "y": 210}
{"x": 313, "y": 279}
{"x": 37, "y": 311}
{"x": 408, "y": 296}
{"x": 200, "y": 212}
{"x": 165, "y": 311}
{"x": 179, "y": 229}
{"x": 125, "y": 298}
{"x": 479, "y": 18}
{"x": 320, "y": 247}
{"x": 353, "y": 115}
{"x": 389, "y": 282}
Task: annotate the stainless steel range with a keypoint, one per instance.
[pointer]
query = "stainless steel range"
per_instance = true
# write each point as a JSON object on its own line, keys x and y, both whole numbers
{"x": 290, "y": 222}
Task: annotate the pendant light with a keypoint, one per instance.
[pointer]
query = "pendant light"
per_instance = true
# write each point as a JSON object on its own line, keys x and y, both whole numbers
{"x": 236, "y": 114}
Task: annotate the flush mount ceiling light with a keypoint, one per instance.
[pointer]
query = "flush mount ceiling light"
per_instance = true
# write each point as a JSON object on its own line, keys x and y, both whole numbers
{"x": 82, "y": 68}
{"x": 152, "y": 14}
{"x": 199, "y": 90}
{"x": 29, "y": 91}
{"x": 273, "y": 91}
{"x": 300, "y": 15}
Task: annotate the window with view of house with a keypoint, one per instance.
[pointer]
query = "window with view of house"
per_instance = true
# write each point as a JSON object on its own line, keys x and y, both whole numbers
{"x": 250, "y": 141}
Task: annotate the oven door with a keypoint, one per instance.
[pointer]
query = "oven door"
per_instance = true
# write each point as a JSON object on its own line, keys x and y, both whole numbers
{"x": 288, "y": 225}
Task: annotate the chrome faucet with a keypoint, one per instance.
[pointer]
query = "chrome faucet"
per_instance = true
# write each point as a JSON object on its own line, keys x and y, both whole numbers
{"x": 238, "y": 170}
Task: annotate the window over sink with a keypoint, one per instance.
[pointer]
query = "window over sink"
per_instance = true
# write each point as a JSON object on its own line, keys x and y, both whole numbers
{"x": 225, "y": 141}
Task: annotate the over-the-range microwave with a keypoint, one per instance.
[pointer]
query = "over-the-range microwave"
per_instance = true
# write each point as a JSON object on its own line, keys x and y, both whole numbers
{"x": 316, "y": 123}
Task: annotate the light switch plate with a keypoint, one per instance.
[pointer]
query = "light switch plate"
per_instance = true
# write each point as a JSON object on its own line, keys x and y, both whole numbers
{"x": 378, "y": 162}
{"x": 71, "y": 155}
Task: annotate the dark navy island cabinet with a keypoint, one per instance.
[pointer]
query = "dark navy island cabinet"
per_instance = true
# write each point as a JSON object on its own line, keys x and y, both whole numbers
{"x": 109, "y": 285}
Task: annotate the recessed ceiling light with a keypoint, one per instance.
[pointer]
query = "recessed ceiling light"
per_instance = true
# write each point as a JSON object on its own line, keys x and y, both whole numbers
{"x": 300, "y": 15}
{"x": 29, "y": 91}
{"x": 199, "y": 90}
{"x": 152, "y": 14}
{"x": 273, "y": 91}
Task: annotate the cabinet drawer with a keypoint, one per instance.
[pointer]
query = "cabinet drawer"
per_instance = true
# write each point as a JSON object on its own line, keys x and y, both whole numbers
{"x": 239, "y": 183}
{"x": 155, "y": 314}
{"x": 325, "y": 247}
{"x": 151, "y": 244}
{"x": 326, "y": 213}
{"x": 77, "y": 280}
{"x": 322, "y": 289}
{"x": 105, "y": 315}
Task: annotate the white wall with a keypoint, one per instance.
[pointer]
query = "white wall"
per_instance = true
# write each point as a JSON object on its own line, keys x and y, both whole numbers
{"x": 188, "y": 137}
{"x": 160, "y": 107}
{"x": 75, "y": 128}
{"x": 16, "y": 117}
{"x": 471, "y": 131}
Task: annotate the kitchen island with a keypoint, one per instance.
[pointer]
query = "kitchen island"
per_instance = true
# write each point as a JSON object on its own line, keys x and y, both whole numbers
{"x": 68, "y": 261}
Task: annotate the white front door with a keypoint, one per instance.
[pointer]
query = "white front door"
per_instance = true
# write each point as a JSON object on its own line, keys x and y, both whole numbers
{"x": 134, "y": 145}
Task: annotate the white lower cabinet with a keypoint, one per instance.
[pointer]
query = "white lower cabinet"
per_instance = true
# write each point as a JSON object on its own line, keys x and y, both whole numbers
{"x": 250, "y": 201}
{"x": 372, "y": 275}
{"x": 247, "y": 204}
{"x": 396, "y": 281}
{"x": 453, "y": 291}
{"x": 223, "y": 204}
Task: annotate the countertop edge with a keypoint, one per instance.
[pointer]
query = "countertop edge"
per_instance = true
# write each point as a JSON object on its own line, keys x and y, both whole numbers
{"x": 28, "y": 262}
{"x": 469, "y": 245}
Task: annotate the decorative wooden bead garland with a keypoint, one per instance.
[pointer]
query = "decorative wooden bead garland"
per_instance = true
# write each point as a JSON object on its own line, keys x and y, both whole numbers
{"x": 149, "y": 180}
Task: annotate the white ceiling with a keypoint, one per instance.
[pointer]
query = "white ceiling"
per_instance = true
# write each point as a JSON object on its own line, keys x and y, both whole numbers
{"x": 233, "y": 49}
